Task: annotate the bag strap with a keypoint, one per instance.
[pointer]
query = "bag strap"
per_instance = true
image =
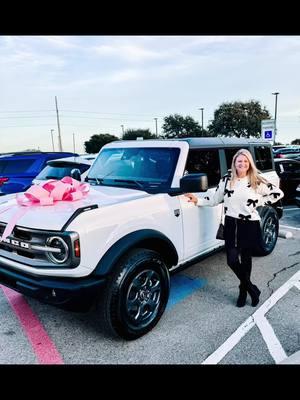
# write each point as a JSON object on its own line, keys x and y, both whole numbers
{"x": 223, "y": 200}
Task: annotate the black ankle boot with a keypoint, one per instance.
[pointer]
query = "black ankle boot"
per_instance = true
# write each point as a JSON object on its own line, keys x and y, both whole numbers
{"x": 254, "y": 294}
{"x": 241, "y": 301}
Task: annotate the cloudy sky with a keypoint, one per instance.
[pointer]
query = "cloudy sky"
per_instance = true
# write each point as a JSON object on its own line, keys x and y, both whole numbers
{"x": 103, "y": 82}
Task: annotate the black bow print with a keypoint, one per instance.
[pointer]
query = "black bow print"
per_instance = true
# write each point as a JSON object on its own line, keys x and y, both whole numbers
{"x": 226, "y": 176}
{"x": 206, "y": 198}
{"x": 268, "y": 203}
{"x": 270, "y": 186}
{"x": 225, "y": 210}
{"x": 245, "y": 217}
{"x": 228, "y": 192}
{"x": 275, "y": 194}
{"x": 253, "y": 202}
{"x": 249, "y": 185}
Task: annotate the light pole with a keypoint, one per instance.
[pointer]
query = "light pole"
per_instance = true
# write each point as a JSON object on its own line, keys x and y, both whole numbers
{"x": 122, "y": 126}
{"x": 275, "y": 133}
{"x": 52, "y": 139}
{"x": 155, "y": 127}
{"x": 201, "y": 116}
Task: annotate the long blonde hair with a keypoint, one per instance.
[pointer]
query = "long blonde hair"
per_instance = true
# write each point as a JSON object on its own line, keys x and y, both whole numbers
{"x": 253, "y": 173}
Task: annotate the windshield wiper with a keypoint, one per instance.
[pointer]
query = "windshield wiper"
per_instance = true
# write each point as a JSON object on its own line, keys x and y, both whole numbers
{"x": 97, "y": 180}
{"x": 131, "y": 181}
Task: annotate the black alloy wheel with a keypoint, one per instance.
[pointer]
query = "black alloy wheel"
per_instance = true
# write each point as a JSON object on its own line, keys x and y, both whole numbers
{"x": 137, "y": 294}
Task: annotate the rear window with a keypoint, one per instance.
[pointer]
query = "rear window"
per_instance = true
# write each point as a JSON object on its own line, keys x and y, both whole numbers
{"x": 59, "y": 171}
{"x": 15, "y": 166}
{"x": 263, "y": 157}
{"x": 206, "y": 161}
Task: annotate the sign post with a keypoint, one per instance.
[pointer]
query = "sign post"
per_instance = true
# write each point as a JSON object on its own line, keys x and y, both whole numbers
{"x": 268, "y": 127}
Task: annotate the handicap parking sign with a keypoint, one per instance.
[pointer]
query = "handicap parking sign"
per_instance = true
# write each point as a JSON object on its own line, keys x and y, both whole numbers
{"x": 268, "y": 134}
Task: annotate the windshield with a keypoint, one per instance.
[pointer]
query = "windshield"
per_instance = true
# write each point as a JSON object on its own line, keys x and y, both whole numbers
{"x": 142, "y": 167}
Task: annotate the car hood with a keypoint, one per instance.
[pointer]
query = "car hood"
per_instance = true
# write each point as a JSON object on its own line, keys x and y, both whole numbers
{"x": 54, "y": 217}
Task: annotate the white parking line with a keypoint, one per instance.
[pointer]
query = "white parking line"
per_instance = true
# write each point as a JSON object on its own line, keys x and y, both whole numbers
{"x": 273, "y": 344}
{"x": 258, "y": 318}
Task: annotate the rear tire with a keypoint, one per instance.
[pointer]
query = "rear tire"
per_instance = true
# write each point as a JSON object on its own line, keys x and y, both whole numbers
{"x": 269, "y": 232}
{"x": 136, "y": 295}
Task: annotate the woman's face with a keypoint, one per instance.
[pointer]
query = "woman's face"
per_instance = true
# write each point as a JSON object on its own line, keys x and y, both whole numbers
{"x": 242, "y": 165}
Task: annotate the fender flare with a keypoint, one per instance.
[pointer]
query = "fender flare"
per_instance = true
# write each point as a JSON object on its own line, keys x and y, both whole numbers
{"x": 145, "y": 238}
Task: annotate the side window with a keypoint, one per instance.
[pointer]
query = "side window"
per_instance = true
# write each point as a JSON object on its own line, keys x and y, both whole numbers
{"x": 263, "y": 157}
{"x": 230, "y": 152}
{"x": 206, "y": 161}
{"x": 17, "y": 166}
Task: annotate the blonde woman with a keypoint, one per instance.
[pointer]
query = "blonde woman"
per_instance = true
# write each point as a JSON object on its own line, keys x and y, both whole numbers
{"x": 243, "y": 189}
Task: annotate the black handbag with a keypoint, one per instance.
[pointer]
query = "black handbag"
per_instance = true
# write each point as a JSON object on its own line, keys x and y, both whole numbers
{"x": 220, "y": 231}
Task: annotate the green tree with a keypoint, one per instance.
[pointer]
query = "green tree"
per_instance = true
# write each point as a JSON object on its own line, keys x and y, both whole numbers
{"x": 178, "y": 126}
{"x": 132, "y": 134}
{"x": 241, "y": 119}
{"x": 96, "y": 142}
{"x": 295, "y": 141}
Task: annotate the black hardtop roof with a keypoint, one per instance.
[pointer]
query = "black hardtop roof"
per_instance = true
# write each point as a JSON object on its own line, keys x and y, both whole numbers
{"x": 196, "y": 142}
{"x": 222, "y": 141}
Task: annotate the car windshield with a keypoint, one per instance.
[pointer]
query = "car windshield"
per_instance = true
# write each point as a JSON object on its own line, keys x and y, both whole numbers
{"x": 138, "y": 167}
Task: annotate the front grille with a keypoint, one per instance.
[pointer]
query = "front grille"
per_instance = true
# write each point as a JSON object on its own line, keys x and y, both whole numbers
{"x": 28, "y": 246}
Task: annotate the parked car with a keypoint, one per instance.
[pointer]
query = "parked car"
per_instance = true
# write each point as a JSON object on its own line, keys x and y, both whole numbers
{"x": 76, "y": 167}
{"x": 118, "y": 245}
{"x": 17, "y": 170}
{"x": 297, "y": 198}
{"x": 287, "y": 152}
{"x": 288, "y": 171}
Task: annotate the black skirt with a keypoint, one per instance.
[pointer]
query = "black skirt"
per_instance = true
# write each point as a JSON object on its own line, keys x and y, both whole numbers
{"x": 241, "y": 233}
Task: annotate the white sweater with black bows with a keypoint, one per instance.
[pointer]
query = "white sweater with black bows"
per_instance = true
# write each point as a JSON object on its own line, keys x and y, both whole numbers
{"x": 241, "y": 200}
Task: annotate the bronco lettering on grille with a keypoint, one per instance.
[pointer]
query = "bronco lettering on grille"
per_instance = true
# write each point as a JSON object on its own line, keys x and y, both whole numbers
{"x": 16, "y": 243}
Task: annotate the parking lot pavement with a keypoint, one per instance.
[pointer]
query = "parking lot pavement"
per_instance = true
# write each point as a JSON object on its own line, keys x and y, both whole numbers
{"x": 281, "y": 341}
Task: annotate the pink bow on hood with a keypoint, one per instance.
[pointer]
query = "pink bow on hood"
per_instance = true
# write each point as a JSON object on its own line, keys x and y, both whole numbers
{"x": 52, "y": 191}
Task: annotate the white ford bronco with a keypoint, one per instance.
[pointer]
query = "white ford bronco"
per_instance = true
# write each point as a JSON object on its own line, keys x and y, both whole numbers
{"x": 117, "y": 246}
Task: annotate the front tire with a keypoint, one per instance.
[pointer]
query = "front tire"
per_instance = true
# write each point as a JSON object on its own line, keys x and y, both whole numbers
{"x": 269, "y": 232}
{"x": 136, "y": 295}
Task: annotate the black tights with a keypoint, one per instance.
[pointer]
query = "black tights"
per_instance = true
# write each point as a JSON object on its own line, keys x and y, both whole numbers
{"x": 241, "y": 267}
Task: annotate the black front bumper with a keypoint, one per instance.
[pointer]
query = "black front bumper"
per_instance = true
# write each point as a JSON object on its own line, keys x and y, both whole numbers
{"x": 76, "y": 294}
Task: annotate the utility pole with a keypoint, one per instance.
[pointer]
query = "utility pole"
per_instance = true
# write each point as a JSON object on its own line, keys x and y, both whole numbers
{"x": 58, "y": 126}
{"x": 201, "y": 116}
{"x": 122, "y": 126}
{"x": 156, "y": 134}
{"x": 52, "y": 139}
{"x": 275, "y": 132}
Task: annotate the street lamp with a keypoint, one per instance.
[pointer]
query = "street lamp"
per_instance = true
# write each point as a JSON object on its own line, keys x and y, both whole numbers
{"x": 52, "y": 139}
{"x": 201, "y": 116}
{"x": 155, "y": 126}
{"x": 275, "y": 94}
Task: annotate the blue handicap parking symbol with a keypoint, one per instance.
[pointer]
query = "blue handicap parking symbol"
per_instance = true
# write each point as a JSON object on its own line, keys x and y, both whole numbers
{"x": 268, "y": 134}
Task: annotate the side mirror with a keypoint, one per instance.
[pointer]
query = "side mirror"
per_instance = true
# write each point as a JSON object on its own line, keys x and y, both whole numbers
{"x": 75, "y": 174}
{"x": 194, "y": 183}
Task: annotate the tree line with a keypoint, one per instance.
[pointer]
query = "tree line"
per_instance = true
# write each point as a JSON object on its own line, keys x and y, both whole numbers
{"x": 239, "y": 119}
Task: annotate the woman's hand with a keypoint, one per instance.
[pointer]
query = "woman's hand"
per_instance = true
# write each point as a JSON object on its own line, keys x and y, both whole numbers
{"x": 192, "y": 198}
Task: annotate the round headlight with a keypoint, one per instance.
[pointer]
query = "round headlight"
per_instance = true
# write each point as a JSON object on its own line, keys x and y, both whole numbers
{"x": 57, "y": 243}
